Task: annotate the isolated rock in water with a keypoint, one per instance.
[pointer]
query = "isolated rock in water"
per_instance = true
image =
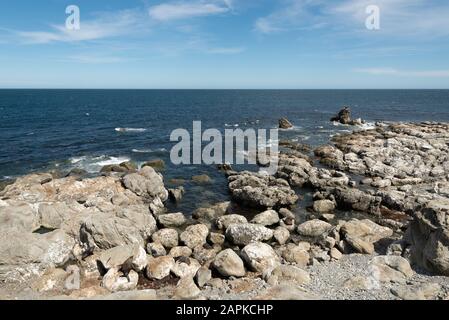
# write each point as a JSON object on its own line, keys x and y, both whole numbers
{"x": 284, "y": 123}
{"x": 212, "y": 212}
{"x": 185, "y": 267}
{"x": 245, "y": 233}
{"x": 260, "y": 257}
{"x": 203, "y": 178}
{"x": 113, "y": 168}
{"x": 266, "y": 218}
{"x": 391, "y": 269}
{"x": 186, "y": 289}
{"x": 176, "y": 194}
{"x": 225, "y": 221}
{"x": 157, "y": 164}
{"x": 172, "y": 219}
{"x": 130, "y": 256}
{"x": 169, "y": 238}
{"x": 429, "y": 236}
{"x": 261, "y": 191}
{"x": 195, "y": 235}
{"x": 228, "y": 264}
{"x": 314, "y": 228}
{"x": 115, "y": 281}
{"x": 288, "y": 274}
{"x": 160, "y": 267}
{"x": 146, "y": 183}
{"x": 343, "y": 116}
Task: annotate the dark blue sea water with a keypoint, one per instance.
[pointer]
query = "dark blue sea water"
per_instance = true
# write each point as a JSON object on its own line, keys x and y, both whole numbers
{"x": 61, "y": 129}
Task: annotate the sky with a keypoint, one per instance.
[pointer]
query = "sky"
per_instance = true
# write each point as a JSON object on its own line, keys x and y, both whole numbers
{"x": 225, "y": 44}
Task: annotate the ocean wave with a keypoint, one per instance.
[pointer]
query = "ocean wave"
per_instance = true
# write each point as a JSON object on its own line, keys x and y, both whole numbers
{"x": 130, "y": 129}
{"x": 232, "y": 125}
{"x": 367, "y": 126}
{"x": 149, "y": 150}
{"x": 94, "y": 164}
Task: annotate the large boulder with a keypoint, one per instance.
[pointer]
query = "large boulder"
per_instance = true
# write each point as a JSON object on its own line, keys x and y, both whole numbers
{"x": 128, "y": 226}
{"x": 428, "y": 235}
{"x": 146, "y": 183}
{"x": 129, "y": 256}
{"x": 314, "y": 228}
{"x": 245, "y": 233}
{"x": 343, "y": 116}
{"x": 391, "y": 269}
{"x": 23, "y": 254}
{"x": 266, "y": 218}
{"x": 260, "y": 257}
{"x": 169, "y": 238}
{"x": 284, "y": 123}
{"x": 261, "y": 191}
{"x": 225, "y": 221}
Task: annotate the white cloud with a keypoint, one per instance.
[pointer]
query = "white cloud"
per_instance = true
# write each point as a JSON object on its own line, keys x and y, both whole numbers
{"x": 106, "y": 25}
{"x": 185, "y": 10}
{"x": 398, "y": 17}
{"x": 404, "y": 73}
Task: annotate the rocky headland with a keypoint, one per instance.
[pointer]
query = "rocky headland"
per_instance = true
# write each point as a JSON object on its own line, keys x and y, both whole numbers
{"x": 377, "y": 227}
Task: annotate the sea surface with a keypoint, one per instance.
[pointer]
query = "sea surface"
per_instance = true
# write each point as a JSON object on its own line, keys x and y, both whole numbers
{"x": 42, "y": 130}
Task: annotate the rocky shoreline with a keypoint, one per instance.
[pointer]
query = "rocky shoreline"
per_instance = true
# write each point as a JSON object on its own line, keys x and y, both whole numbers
{"x": 111, "y": 237}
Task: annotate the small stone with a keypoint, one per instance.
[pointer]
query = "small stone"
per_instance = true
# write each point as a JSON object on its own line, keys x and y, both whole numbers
{"x": 203, "y": 276}
{"x": 167, "y": 237}
{"x": 285, "y": 213}
{"x": 288, "y": 274}
{"x": 159, "y": 267}
{"x": 195, "y": 235}
{"x": 224, "y": 222}
{"x": 156, "y": 249}
{"x": 335, "y": 254}
{"x": 186, "y": 289}
{"x": 228, "y": 264}
{"x": 314, "y": 228}
{"x": 185, "y": 267}
{"x": 216, "y": 238}
{"x": 181, "y": 251}
{"x": 323, "y": 206}
{"x": 266, "y": 218}
{"x": 281, "y": 235}
{"x": 172, "y": 220}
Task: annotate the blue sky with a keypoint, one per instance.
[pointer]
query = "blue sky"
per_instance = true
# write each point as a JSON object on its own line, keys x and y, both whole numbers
{"x": 224, "y": 44}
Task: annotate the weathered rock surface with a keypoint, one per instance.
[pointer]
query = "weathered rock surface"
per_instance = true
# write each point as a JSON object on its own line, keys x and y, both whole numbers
{"x": 284, "y": 123}
{"x": 260, "y": 257}
{"x": 261, "y": 191}
{"x": 245, "y": 233}
{"x": 228, "y": 264}
{"x": 195, "y": 235}
{"x": 314, "y": 228}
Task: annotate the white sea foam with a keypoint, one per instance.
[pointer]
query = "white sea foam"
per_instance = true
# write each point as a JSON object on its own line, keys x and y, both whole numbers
{"x": 367, "y": 126}
{"x": 94, "y": 164}
{"x": 149, "y": 150}
{"x": 130, "y": 129}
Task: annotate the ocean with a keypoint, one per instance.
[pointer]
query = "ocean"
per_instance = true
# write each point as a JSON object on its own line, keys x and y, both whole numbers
{"x": 42, "y": 130}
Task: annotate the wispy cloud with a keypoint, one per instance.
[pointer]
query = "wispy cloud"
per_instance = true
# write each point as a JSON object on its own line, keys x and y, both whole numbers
{"x": 185, "y": 10}
{"x": 105, "y": 25}
{"x": 404, "y": 73}
{"x": 398, "y": 17}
